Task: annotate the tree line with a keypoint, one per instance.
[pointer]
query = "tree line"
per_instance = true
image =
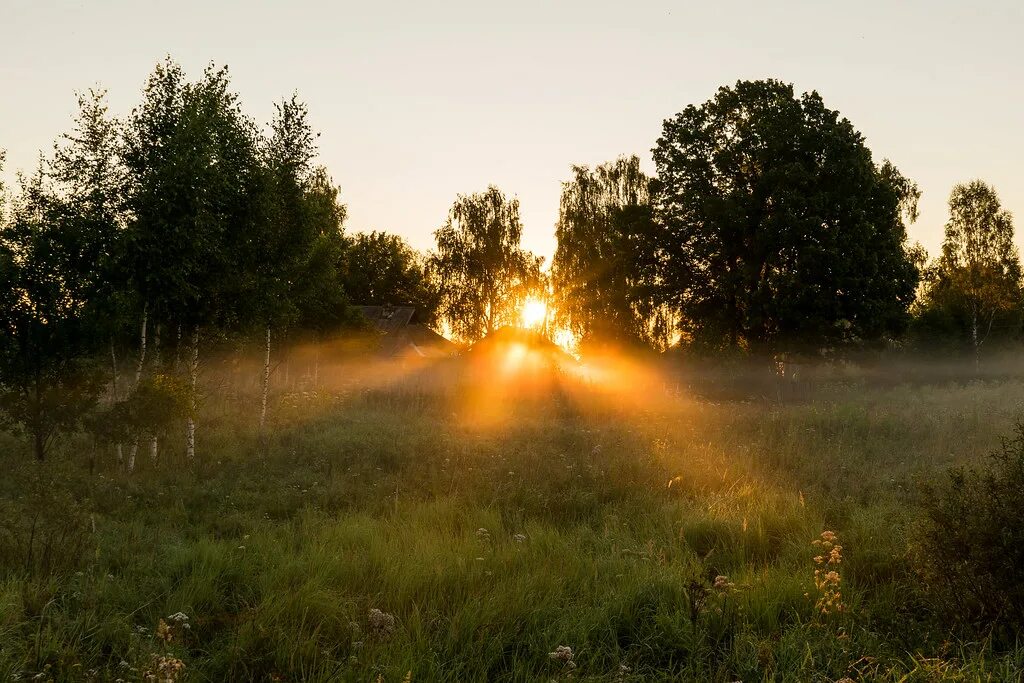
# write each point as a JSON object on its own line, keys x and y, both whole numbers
{"x": 768, "y": 227}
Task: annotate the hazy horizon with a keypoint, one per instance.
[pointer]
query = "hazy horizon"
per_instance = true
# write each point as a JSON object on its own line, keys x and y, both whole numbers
{"x": 417, "y": 104}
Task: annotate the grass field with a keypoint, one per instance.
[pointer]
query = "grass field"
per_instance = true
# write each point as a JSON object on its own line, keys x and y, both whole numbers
{"x": 390, "y": 536}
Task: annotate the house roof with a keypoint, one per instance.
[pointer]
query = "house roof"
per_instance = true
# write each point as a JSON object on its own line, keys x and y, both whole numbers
{"x": 402, "y": 337}
{"x": 388, "y": 319}
{"x": 503, "y": 337}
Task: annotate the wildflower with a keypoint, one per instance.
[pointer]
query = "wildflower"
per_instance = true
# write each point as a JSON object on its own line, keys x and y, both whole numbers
{"x": 519, "y": 538}
{"x": 164, "y": 632}
{"x": 484, "y": 535}
{"x": 826, "y": 578}
{"x": 164, "y": 669}
{"x": 180, "y": 619}
{"x": 562, "y": 653}
{"x": 381, "y": 623}
{"x": 723, "y": 584}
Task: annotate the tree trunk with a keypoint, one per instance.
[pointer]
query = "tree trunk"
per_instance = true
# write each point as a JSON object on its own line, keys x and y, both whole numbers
{"x": 114, "y": 396}
{"x": 142, "y": 345}
{"x": 138, "y": 378}
{"x": 177, "y": 350}
{"x": 193, "y": 372}
{"x": 266, "y": 385}
{"x": 974, "y": 337}
{"x": 153, "y": 443}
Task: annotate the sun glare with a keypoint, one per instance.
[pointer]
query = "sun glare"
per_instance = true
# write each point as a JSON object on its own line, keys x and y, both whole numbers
{"x": 533, "y": 313}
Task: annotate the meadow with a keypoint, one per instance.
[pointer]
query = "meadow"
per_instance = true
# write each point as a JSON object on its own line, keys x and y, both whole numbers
{"x": 612, "y": 527}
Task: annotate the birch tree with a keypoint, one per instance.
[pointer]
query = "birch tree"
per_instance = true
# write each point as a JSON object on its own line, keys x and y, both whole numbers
{"x": 482, "y": 272}
{"x": 300, "y": 241}
{"x": 977, "y": 279}
{"x": 87, "y": 174}
{"x": 604, "y": 273}
{"x": 195, "y": 184}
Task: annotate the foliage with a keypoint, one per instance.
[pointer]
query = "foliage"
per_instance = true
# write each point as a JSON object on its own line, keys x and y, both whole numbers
{"x": 87, "y": 176}
{"x": 46, "y": 327}
{"x": 299, "y": 244}
{"x": 974, "y": 289}
{"x": 779, "y": 230}
{"x": 382, "y": 269}
{"x": 193, "y": 191}
{"x": 603, "y": 274}
{"x": 156, "y": 404}
{"x": 482, "y": 273}
{"x": 971, "y": 544}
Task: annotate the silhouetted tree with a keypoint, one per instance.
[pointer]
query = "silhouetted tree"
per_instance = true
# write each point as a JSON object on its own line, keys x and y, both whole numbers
{"x": 46, "y": 333}
{"x": 382, "y": 269}
{"x": 780, "y": 231}
{"x": 88, "y": 179}
{"x": 482, "y": 272}
{"x": 974, "y": 288}
{"x": 604, "y": 271}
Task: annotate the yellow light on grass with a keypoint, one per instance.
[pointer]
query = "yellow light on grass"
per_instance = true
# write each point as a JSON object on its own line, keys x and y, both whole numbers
{"x": 533, "y": 313}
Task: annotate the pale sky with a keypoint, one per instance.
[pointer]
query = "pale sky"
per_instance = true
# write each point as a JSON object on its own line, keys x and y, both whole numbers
{"x": 420, "y": 101}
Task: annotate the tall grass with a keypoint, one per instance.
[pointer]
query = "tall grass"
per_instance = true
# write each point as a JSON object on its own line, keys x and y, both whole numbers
{"x": 573, "y": 520}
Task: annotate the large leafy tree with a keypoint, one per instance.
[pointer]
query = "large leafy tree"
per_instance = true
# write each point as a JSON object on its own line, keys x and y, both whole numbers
{"x": 974, "y": 288}
{"x": 780, "y": 230}
{"x": 381, "y": 269}
{"x": 482, "y": 272}
{"x": 604, "y": 274}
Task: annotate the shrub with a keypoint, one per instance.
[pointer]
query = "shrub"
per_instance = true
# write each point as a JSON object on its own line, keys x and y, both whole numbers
{"x": 971, "y": 542}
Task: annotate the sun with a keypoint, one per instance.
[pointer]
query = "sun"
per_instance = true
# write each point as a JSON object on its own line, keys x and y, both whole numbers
{"x": 533, "y": 313}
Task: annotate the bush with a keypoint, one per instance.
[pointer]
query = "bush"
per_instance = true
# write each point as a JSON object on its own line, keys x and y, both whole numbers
{"x": 972, "y": 542}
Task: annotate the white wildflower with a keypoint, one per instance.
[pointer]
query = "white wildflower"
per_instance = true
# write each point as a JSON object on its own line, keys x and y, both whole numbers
{"x": 562, "y": 653}
{"x": 381, "y": 623}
